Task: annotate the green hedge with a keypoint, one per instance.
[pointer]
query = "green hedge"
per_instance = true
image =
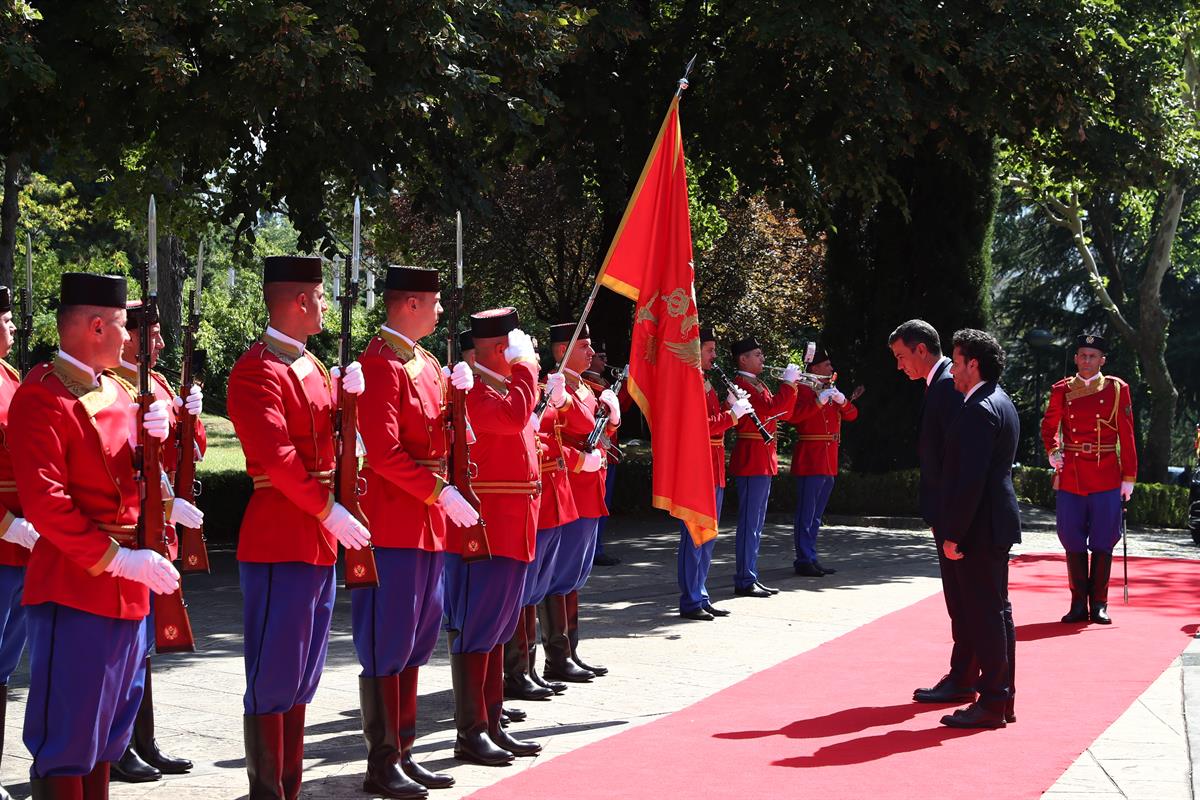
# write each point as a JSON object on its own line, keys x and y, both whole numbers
{"x": 1154, "y": 504}
{"x": 223, "y": 498}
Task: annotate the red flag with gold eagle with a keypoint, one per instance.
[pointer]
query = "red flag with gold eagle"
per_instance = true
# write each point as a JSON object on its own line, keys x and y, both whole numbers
{"x": 650, "y": 262}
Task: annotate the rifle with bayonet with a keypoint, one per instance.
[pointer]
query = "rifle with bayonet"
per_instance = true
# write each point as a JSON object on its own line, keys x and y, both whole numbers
{"x": 361, "y": 572}
{"x": 172, "y": 628}
{"x": 25, "y": 329}
{"x": 597, "y": 437}
{"x": 193, "y": 553}
{"x": 727, "y": 388}
{"x": 459, "y": 467}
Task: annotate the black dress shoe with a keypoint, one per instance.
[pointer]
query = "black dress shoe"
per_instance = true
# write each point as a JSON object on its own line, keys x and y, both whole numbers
{"x": 603, "y": 560}
{"x": 823, "y": 568}
{"x": 699, "y": 614}
{"x": 945, "y": 691}
{"x": 974, "y": 716}
{"x": 716, "y": 612}
{"x": 767, "y": 589}
{"x": 753, "y": 590}
{"x": 808, "y": 569}
{"x": 131, "y": 769}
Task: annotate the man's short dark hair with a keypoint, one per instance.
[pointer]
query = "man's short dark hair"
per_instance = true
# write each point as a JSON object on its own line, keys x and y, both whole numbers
{"x": 915, "y": 332}
{"x": 982, "y": 347}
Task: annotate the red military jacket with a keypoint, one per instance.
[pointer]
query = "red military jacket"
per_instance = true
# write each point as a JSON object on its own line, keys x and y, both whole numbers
{"x": 587, "y": 487}
{"x": 74, "y": 467}
{"x": 720, "y": 419}
{"x": 751, "y": 455}
{"x": 558, "y": 461}
{"x": 169, "y": 450}
{"x": 402, "y": 421}
{"x": 11, "y": 555}
{"x": 819, "y": 433}
{"x": 505, "y": 452}
{"x": 281, "y": 402}
{"x": 1092, "y": 425}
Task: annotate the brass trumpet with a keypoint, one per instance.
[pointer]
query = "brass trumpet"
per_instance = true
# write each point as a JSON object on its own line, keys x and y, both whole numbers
{"x": 815, "y": 382}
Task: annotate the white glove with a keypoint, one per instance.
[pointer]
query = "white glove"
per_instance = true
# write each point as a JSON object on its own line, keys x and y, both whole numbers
{"x": 194, "y": 402}
{"x": 185, "y": 514}
{"x": 825, "y": 395}
{"x": 1056, "y": 460}
{"x": 838, "y": 397}
{"x": 157, "y": 421}
{"x": 740, "y": 408}
{"x": 145, "y": 566}
{"x": 592, "y": 462}
{"x": 556, "y": 389}
{"x": 462, "y": 376}
{"x": 22, "y": 533}
{"x": 1126, "y": 490}
{"x": 354, "y": 382}
{"x": 609, "y": 398}
{"x": 791, "y": 373}
{"x": 460, "y": 512}
{"x": 346, "y": 529}
{"x": 520, "y": 346}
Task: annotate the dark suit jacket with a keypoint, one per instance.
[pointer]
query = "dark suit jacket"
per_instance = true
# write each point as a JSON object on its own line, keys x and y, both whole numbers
{"x": 979, "y": 505}
{"x": 941, "y": 404}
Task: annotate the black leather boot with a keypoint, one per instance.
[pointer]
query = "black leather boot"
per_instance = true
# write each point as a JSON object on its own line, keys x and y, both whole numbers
{"x": 130, "y": 768}
{"x": 406, "y": 733}
{"x": 379, "y": 699}
{"x": 1077, "y": 577}
{"x": 517, "y": 683}
{"x": 293, "y": 751}
{"x": 143, "y": 736}
{"x": 493, "y": 694}
{"x": 264, "y": 755}
{"x": 95, "y": 783}
{"x": 530, "y": 622}
{"x": 1101, "y": 570}
{"x": 60, "y": 787}
{"x": 468, "y": 671}
{"x": 552, "y": 613}
{"x": 573, "y": 634}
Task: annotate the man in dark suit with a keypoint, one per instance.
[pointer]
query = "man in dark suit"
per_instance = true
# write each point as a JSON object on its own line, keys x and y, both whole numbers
{"x": 980, "y": 522}
{"x": 918, "y": 351}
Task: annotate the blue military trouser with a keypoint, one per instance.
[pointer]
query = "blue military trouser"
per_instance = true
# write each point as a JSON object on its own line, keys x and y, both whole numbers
{"x": 693, "y": 564}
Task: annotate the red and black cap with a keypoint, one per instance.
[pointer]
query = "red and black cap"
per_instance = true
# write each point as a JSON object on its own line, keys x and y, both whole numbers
{"x": 465, "y": 340}
{"x": 1092, "y": 340}
{"x": 707, "y": 335}
{"x": 135, "y": 312}
{"x": 820, "y": 356}
{"x": 493, "y": 323}
{"x": 562, "y": 332}
{"x": 746, "y": 345}
{"x": 292, "y": 269}
{"x": 86, "y": 289}
{"x": 411, "y": 279}
{"x": 5, "y": 300}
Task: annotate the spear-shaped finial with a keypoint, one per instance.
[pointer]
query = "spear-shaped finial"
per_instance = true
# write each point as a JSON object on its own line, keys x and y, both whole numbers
{"x": 683, "y": 82}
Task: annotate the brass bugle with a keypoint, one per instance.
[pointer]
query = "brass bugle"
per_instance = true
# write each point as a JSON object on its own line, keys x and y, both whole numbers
{"x": 812, "y": 381}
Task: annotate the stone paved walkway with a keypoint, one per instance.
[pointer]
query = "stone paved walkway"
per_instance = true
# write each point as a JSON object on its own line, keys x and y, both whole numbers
{"x": 659, "y": 664}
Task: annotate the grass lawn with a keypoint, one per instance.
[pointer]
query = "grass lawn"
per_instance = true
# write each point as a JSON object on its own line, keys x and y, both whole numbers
{"x": 224, "y": 452}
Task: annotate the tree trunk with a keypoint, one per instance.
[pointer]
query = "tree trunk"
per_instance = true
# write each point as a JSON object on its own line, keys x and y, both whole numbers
{"x": 173, "y": 267}
{"x": 14, "y": 164}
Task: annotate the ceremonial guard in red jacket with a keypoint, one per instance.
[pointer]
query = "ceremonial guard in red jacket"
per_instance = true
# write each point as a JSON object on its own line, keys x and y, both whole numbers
{"x": 693, "y": 562}
{"x": 17, "y": 536}
{"x": 556, "y": 509}
{"x": 754, "y": 462}
{"x": 597, "y": 376}
{"x": 1088, "y": 433}
{"x": 408, "y": 504}
{"x": 143, "y": 761}
{"x": 577, "y": 546}
{"x": 483, "y": 598}
{"x": 88, "y": 585}
{"x": 282, "y": 404}
{"x": 818, "y": 416}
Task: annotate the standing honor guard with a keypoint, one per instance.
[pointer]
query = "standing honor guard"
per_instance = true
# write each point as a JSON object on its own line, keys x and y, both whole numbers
{"x": 820, "y": 411}
{"x": 596, "y": 376}
{"x": 282, "y": 404}
{"x": 402, "y": 417}
{"x": 577, "y": 546}
{"x": 694, "y": 562}
{"x": 18, "y": 536}
{"x": 142, "y": 760}
{"x": 483, "y": 597}
{"x": 1088, "y": 433}
{"x": 754, "y": 462}
{"x": 88, "y": 587}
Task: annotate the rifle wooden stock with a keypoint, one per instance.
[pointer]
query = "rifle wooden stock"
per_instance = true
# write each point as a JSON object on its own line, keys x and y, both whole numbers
{"x": 193, "y": 552}
{"x": 460, "y": 469}
{"x": 172, "y": 627}
{"x": 361, "y": 572}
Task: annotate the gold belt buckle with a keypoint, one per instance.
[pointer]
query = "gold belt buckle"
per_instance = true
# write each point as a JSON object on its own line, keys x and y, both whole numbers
{"x": 1086, "y": 447}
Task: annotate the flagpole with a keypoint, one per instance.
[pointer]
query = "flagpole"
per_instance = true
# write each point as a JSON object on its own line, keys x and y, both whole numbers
{"x": 587, "y": 307}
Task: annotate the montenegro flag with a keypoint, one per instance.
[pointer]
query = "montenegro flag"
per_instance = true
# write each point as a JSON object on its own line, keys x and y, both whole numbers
{"x": 650, "y": 262}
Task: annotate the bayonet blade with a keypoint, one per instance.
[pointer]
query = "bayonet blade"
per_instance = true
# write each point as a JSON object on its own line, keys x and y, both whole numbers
{"x": 28, "y": 269}
{"x": 152, "y": 256}
{"x": 354, "y": 252}
{"x": 199, "y": 278}
{"x": 458, "y": 258}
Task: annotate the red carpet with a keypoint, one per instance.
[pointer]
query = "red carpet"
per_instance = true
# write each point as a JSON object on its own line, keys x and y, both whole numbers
{"x": 836, "y": 722}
